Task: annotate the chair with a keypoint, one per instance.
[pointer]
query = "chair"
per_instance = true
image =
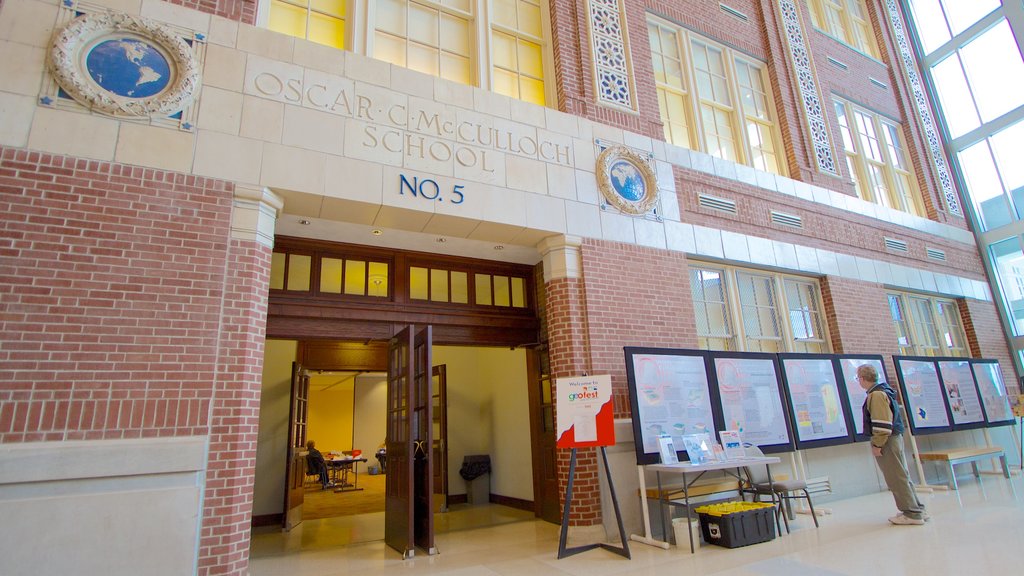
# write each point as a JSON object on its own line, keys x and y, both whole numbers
{"x": 758, "y": 484}
{"x": 311, "y": 472}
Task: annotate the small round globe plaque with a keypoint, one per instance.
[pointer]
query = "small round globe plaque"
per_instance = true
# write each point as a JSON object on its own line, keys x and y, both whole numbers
{"x": 626, "y": 180}
{"x": 124, "y": 65}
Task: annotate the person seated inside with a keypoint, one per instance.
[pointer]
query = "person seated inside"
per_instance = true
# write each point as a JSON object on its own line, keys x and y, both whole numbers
{"x": 316, "y": 464}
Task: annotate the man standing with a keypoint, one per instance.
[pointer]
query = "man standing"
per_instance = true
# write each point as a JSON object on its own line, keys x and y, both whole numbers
{"x": 883, "y": 421}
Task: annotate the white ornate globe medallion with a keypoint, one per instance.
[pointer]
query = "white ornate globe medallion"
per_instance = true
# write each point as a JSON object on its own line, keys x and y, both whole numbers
{"x": 124, "y": 65}
{"x": 626, "y": 180}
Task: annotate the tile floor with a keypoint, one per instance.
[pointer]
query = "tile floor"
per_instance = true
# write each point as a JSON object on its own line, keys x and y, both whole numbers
{"x": 978, "y": 530}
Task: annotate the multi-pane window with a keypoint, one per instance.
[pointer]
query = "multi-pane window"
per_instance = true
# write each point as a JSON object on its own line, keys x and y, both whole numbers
{"x": 847, "y": 21}
{"x": 754, "y": 311}
{"x": 495, "y": 44}
{"x": 713, "y": 99}
{"x": 927, "y": 326}
{"x": 877, "y": 159}
{"x": 337, "y": 274}
{"x": 433, "y": 38}
{"x": 461, "y": 287}
{"x": 321, "y": 21}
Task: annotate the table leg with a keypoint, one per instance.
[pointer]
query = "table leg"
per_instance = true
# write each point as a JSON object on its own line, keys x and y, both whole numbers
{"x": 689, "y": 524}
{"x": 664, "y": 506}
{"x": 775, "y": 509}
{"x": 952, "y": 476}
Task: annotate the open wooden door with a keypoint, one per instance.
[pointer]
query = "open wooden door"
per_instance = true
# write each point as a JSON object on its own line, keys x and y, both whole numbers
{"x": 543, "y": 437}
{"x": 422, "y": 429}
{"x": 295, "y": 472}
{"x": 440, "y": 432}
{"x": 398, "y": 496}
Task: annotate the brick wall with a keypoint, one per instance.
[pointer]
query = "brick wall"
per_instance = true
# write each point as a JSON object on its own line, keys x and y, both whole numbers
{"x": 238, "y": 10}
{"x": 127, "y": 311}
{"x": 986, "y": 338}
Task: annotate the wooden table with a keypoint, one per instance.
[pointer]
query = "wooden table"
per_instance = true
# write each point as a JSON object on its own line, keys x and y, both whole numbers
{"x": 340, "y": 467}
{"x": 732, "y": 467}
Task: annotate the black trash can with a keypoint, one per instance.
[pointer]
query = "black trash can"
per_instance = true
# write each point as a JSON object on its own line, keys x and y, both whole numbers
{"x": 476, "y": 471}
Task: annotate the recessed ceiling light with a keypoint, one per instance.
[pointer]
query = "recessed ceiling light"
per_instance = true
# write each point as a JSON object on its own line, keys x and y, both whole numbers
{"x": 304, "y": 222}
{"x": 377, "y": 232}
{"x": 441, "y": 240}
{"x": 499, "y": 247}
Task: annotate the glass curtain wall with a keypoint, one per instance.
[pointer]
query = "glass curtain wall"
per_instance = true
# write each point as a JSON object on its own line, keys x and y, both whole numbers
{"x": 970, "y": 55}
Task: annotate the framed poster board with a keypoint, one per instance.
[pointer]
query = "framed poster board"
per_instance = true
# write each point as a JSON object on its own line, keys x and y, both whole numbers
{"x": 853, "y": 393}
{"x": 923, "y": 395}
{"x": 961, "y": 393}
{"x": 816, "y": 407}
{"x": 992, "y": 390}
{"x": 670, "y": 394}
{"x": 585, "y": 411}
{"x": 752, "y": 398}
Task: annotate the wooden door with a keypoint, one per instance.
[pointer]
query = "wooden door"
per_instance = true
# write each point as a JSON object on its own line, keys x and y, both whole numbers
{"x": 542, "y": 439}
{"x": 440, "y": 432}
{"x": 422, "y": 429}
{"x": 295, "y": 467}
{"x": 398, "y": 486}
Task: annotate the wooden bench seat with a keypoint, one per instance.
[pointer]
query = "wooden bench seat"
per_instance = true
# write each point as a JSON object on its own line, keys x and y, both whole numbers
{"x": 965, "y": 455}
{"x": 697, "y": 489}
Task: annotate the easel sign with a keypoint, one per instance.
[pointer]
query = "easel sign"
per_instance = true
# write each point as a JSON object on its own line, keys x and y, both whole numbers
{"x": 585, "y": 419}
{"x": 585, "y": 411}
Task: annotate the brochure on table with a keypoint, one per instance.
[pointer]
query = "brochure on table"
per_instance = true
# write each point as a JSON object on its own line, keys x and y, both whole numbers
{"x": 817, "y": 409}
{"x": 732, "y": 444}
{"x": 992, "y": 389}
{"x": 752, "y": 400}
{"x": 923, "y": 394}
{"x": 671, "y": 395}
{"x": 585, "y": 415}
{"x": 961, "y": 393}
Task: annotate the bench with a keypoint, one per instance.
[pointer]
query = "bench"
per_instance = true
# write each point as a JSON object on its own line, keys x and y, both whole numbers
{"x": 965, "y": 455}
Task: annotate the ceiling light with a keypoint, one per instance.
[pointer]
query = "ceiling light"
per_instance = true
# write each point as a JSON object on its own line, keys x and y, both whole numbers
{"x": 377, "y": 232}
{"x": 304, "y": 222}
{"x": 499, "y": 247}
{"x": 441, "y": 240}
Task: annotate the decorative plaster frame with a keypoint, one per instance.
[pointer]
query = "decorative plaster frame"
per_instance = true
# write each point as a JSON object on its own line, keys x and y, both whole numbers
{"x": 65, "y": 63}
{"x": 604, "y": 161}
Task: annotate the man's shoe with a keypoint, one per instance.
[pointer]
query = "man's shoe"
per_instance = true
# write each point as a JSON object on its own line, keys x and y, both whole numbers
{"x": 926, "y": 516}
{"x": 901, "y": 520}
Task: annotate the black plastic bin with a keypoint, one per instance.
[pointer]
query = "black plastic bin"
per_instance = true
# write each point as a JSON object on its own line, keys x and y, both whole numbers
{"x": 735, "y": 524}
{"x": 476, "y": 471}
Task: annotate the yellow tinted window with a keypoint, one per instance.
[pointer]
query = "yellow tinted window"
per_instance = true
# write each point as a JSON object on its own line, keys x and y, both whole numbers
{"x": 417, "y": 283}
{"x": 378, "y": 280}
{"x": 518, "y": 293}
{"x": 277, "y": 260}
{"x": 460, "y": 288}
{"x": 439, "y": 285}
{"x": 298, "y": 272}
{"x": 483, "y": 289}
{"x": 330, "y": 275}
{"x": 501, "y": 291}
{"x": 355, "y": 277}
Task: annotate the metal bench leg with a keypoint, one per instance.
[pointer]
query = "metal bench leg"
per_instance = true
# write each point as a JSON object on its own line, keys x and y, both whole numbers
{"x": 952, "y": 476}
{"x": 811, "y": 506}
{"x": 974, "y": 465}
{"x": 1006, "y": 469}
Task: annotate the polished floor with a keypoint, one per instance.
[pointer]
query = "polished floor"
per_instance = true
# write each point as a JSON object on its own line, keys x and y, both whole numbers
{"x": 978, "y": 530}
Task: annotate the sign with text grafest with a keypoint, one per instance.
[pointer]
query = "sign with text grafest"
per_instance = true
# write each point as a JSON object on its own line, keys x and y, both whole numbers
{"x": 585, "y": 415}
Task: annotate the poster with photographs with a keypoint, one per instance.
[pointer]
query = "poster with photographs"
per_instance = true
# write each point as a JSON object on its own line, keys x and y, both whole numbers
{"x": 816, "y": 406}
{"x": 671, "y": 395}
{"x": 923, "y": 394}
{"x": 992, "y": 389}
{"x": 961, "y": 393}
{"x": 752, "y": 399}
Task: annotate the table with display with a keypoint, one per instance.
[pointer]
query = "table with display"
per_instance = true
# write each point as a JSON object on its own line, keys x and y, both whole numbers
{"x": 693, "y": 472}
{"x": 340, "y": 468}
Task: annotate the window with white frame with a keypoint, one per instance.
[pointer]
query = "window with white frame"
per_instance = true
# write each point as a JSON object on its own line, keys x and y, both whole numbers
{"x": 754, "y": 311}
{"x": 847, "y": 21}
{"x": 927, "y": 326}
{"x": 496, "y": 44}
{"x": 714, "y": 99}
{"x": 877, "y": 158}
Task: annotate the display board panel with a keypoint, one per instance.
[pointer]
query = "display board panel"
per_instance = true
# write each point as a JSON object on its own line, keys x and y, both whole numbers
{"x": 671, "y": 393}
{"x": 816, "y": 407}
{"x": 923, "y": 394}
{"x": 992, "y": 389}
{"x": 854, "y": 394}
{"x": 752, "y": 398}
{"x": 961, "y": 393}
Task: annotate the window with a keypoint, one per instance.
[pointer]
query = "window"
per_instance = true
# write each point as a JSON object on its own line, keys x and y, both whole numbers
{"x": 776, "y": 313}
{"x": 713, "y": 99}
{"x": 443, "y": 38}
{"x": 847, "y": 21}
{"x": 877, "y": 159}
{"x": 442, "y": 285}
{"x": 320, "y": 21}
{"x": 927, "y": 326}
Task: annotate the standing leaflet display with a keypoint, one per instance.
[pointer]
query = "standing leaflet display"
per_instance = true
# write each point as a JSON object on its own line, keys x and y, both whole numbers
{"x": 752, "y": 399}
{"x": 923, "y": 394}
{"x": 817, "y": 409}
{"x": 855, "y": 395}
{"x": 961, "y": 393}
{"x": 992, "y": 390}
{"x": 585, "y": 419}
{"x": 670, "y": 395}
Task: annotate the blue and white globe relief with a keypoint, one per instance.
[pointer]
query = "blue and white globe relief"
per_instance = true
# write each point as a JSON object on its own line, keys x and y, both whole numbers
{"x": 128, "y": 67}
{"x": 125, "y": 65}
{"x": 626, "y": 180}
